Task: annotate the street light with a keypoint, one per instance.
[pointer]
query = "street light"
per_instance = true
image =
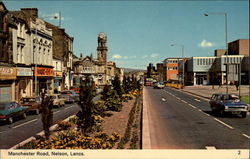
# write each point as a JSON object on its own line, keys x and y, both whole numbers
{"x": 182, "y": 52}
{"x": 36, "y": 48}
{"x": 225, "y": 15}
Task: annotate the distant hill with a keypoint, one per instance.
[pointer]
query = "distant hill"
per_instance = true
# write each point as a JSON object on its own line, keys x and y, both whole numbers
{"x": 127, "y": 70}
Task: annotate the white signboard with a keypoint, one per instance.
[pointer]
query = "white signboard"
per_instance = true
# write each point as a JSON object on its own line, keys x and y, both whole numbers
{"x": 22, "y": 71}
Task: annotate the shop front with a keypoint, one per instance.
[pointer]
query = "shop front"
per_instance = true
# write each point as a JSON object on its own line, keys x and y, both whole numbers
{"x": 7, "y": 83}
{"x": 58, "y": 85}
{"x": 43, "y": 80}
{"x": 23, "y": 82}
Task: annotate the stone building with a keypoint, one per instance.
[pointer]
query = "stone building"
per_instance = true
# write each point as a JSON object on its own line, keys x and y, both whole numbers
{"x": 58, "y": 74}
{"x": 41, "y": 50}
{"x": 7, "y": 67}
{"x": 63, "y": 49}
{"x": 99, "y": 69}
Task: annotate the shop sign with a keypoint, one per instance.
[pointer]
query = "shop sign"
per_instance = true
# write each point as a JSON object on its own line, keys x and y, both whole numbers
{"x": 41, "y": 71}
{"x": 7, "y": 73}
{"x": 58, "y": 74}
{"x": 22, "y": 71}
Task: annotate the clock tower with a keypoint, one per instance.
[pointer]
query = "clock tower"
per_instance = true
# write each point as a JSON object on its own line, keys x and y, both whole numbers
{"x": 102, "y": 48}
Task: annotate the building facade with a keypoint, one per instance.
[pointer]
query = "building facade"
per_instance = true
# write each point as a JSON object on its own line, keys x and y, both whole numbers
{"x": 27, "y": 62}
{"x": 197, "y": 71}
{"x": 172, "y": 69}
{"x": 239, "y": 47}
{"x": 63, "y": 48}
{"x": 99, "y": 69}
{"x": 7, "y": 67}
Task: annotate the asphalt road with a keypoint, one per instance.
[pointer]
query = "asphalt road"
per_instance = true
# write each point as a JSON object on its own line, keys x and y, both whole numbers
{"x": 20, "y": 130}
{"x": 177, "y": 120}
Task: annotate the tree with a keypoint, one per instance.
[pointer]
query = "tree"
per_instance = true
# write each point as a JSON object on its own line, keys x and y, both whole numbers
{"x": 86, "y": 120}
{"x": 47, "y": 114}
{"x": 117, "y": 86}
{"x": 125, "y": 84}
{"x": 105, "y": 91}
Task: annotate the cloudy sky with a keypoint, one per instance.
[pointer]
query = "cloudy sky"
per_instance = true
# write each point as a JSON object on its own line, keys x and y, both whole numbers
{"x": 140, "y": 32}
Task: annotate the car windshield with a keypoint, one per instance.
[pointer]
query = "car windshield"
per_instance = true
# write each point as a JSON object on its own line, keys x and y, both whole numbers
{"x": 230, "y": 97}
{"x": 3, "y": 105}
{"x": 52, "y": 97}
{"x": 28, "y": 100}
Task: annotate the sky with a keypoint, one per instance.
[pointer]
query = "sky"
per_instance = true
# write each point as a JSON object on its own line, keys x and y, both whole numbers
{"x": 142, "y": 32}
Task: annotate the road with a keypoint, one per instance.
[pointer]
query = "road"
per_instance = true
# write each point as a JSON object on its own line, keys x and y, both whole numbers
{"x": 20, "y": 130}
{"x": 177, "y": 120}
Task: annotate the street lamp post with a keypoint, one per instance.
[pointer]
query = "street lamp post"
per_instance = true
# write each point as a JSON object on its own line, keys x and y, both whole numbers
{"x": 36, "y": 50}
{"x": 226, "y": 63}
{"x": 183, "y": 65}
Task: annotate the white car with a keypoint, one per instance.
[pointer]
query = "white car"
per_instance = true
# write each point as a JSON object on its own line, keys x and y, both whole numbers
{"x": 57, "y": 100}
{"x": 159, "y": 85}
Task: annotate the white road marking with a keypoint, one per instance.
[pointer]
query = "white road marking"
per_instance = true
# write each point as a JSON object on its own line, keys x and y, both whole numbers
{"x": 163, "y": 99}
{"x": 24, "y": 123}
{"x": 183, "y": 101}
{"x": 207, "y": 114}
{"x": 223, "y": 123}
{"x": 200, "y": 110}
{"x": 178, "y": 98}
{"x": 56, "y": 112}
{"x": 246, "y": 136}
{"x": 1, "y": 132}
{"x": 68, "y": 107}
{"x": 210, "y": 148}
{"x": 191, "y": 94}
{"x": 191, "y": 105}
{"x": 197, "y": 100}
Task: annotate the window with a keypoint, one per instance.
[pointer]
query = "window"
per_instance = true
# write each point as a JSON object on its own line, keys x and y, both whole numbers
{"x": 21, "y": 51}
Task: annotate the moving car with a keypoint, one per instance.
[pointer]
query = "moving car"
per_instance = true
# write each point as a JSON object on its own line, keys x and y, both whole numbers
{"x": 57, "y": 100}
{"x": 228, "y": 103}
{"x": 159, "y": 85}
{"x": 70, "y": 96}
{"x": 32, "y": 103}
{"x": 11, "y": 110}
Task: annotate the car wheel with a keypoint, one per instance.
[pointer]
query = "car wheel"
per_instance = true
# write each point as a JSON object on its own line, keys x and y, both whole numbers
{"x": 24, "y": 116}
{"x": 37, "y": 111}
{"x": 10, "y": 120}
{"x": 221, "y": 113}
{"x": 243, "y": 114}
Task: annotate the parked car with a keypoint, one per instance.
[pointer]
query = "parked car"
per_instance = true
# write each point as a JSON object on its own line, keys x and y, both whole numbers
{"x": 159, "y": 85}
{"x": 70, "y": 96}
{"x": 228, "y": 103}
{"x": 32, "y": 103}
{"x": 76, "y": 89}
{"x": 58, "y": 100}
{"x": 11, "y": 110}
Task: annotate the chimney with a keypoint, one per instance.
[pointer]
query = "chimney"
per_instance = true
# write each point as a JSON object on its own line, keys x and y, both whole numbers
{"x": 31, "y": 11}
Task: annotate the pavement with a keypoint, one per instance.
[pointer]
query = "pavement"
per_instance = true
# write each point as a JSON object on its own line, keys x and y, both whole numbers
{"x": 207, "y": 91}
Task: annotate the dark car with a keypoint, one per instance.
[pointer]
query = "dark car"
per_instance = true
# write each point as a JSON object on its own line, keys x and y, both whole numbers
{"x": 32, "y": 103}
{"x": 70, "y": 96}
{"x": 228, "y": 103}
{"x": 11, "y": 110}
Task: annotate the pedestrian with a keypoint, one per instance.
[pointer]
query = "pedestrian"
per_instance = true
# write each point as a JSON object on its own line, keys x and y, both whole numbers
{"x": 219, "y": 83}
{"x": 237, "y": 85}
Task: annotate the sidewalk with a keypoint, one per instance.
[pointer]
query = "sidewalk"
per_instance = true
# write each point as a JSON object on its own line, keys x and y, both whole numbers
{"x": 207, "y": 91}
